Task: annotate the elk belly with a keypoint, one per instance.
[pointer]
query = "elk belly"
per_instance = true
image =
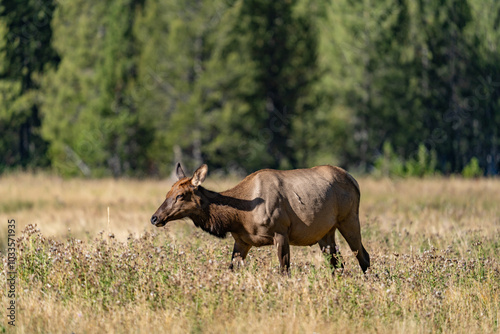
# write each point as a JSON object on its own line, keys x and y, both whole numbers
{"x": 308, "y": 235}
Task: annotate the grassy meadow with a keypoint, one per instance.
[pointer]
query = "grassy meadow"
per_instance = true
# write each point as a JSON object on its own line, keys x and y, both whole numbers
{"x": 434, "y": 246}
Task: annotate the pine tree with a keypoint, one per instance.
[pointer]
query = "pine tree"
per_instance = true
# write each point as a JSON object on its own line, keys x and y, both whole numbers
{"x": 484, "y": 103}
{"x": 418, "y": 67}
{"x": 175, "y": 39}
{"x": 90, "y": 121}
{"x": 25, "y": 51}
{"x": 258, "y": 108}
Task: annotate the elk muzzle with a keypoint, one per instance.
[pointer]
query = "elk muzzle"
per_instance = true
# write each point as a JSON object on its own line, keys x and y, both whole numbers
{"x": 154, "y": 219}
{"x": 157, "y": 221}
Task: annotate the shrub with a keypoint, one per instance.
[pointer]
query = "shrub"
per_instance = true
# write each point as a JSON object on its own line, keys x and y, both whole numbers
{"x": 472, "y": 169}
{"x": 424, "y": 164}
{"x": 390, "y": 164}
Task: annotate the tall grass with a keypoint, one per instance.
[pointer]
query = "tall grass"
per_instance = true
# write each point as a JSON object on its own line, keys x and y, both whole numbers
{"x": 434, "y": 245}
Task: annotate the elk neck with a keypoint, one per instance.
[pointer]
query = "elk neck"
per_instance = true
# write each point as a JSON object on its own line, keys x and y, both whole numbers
{"x": 218, "y": 214}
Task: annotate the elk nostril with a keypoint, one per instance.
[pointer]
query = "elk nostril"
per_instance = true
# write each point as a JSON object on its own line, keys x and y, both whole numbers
{"x": 154, "y": 219}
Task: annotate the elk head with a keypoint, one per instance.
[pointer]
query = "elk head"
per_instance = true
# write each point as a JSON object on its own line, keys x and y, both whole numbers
{"x": 183, "y": 200}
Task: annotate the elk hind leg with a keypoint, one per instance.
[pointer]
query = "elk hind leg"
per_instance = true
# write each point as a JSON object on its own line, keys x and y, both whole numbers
{"x": 350, "y": 230}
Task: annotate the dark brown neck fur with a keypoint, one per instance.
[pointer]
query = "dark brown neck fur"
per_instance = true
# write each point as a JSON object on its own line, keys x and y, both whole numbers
{"x": 217, "y": 214}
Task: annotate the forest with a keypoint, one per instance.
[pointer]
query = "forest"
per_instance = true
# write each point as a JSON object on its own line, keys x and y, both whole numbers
{"x": 129, "y": 87}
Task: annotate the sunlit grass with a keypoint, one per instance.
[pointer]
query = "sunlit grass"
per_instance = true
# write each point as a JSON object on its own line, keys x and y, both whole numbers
{"x": 434, "y": 245}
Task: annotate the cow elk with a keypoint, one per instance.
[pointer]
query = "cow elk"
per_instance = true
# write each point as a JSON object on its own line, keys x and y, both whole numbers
{"x": 298, "y": 207}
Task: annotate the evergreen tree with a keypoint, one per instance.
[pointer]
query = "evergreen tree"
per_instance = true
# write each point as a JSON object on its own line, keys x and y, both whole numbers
{"x": 368, "y": 43}
{"x": 128, "y": 87}
{"x": 229, "y": 81}
{"x": 90, "y": 121}
{"x": 269, "y": 55}
{"x": 483, "y": 105}
{"x": 175, "y": 39}
{"x": 25, "y": 51}
{"x": 443, "y": 26}
{"x": 419, "y": 69}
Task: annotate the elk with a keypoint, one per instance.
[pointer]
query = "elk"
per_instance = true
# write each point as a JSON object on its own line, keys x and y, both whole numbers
{"x": 298, "y": 207}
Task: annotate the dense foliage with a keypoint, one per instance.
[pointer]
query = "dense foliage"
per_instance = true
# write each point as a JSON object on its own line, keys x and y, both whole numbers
{"x": 128, "y": 87}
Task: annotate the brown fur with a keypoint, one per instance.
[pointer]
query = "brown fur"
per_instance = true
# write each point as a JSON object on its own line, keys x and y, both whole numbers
{"x": 298, "y": 207}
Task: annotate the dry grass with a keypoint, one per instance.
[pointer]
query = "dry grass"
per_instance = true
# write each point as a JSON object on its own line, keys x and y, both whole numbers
{"x": 434, "y": 246}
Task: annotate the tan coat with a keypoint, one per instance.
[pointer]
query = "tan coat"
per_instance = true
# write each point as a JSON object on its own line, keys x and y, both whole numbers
{"x": 297, "y": 207}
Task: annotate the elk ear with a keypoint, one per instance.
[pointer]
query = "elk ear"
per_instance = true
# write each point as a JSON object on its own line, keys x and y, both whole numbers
{"x": 199, "y": 175}
{"x": 179, "y": 172}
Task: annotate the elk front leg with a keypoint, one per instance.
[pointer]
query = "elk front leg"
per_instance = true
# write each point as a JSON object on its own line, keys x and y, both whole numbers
{"x": 283, "y": 249}
{"x": 329, "y": 248}
{"x": 240, "y": 251}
